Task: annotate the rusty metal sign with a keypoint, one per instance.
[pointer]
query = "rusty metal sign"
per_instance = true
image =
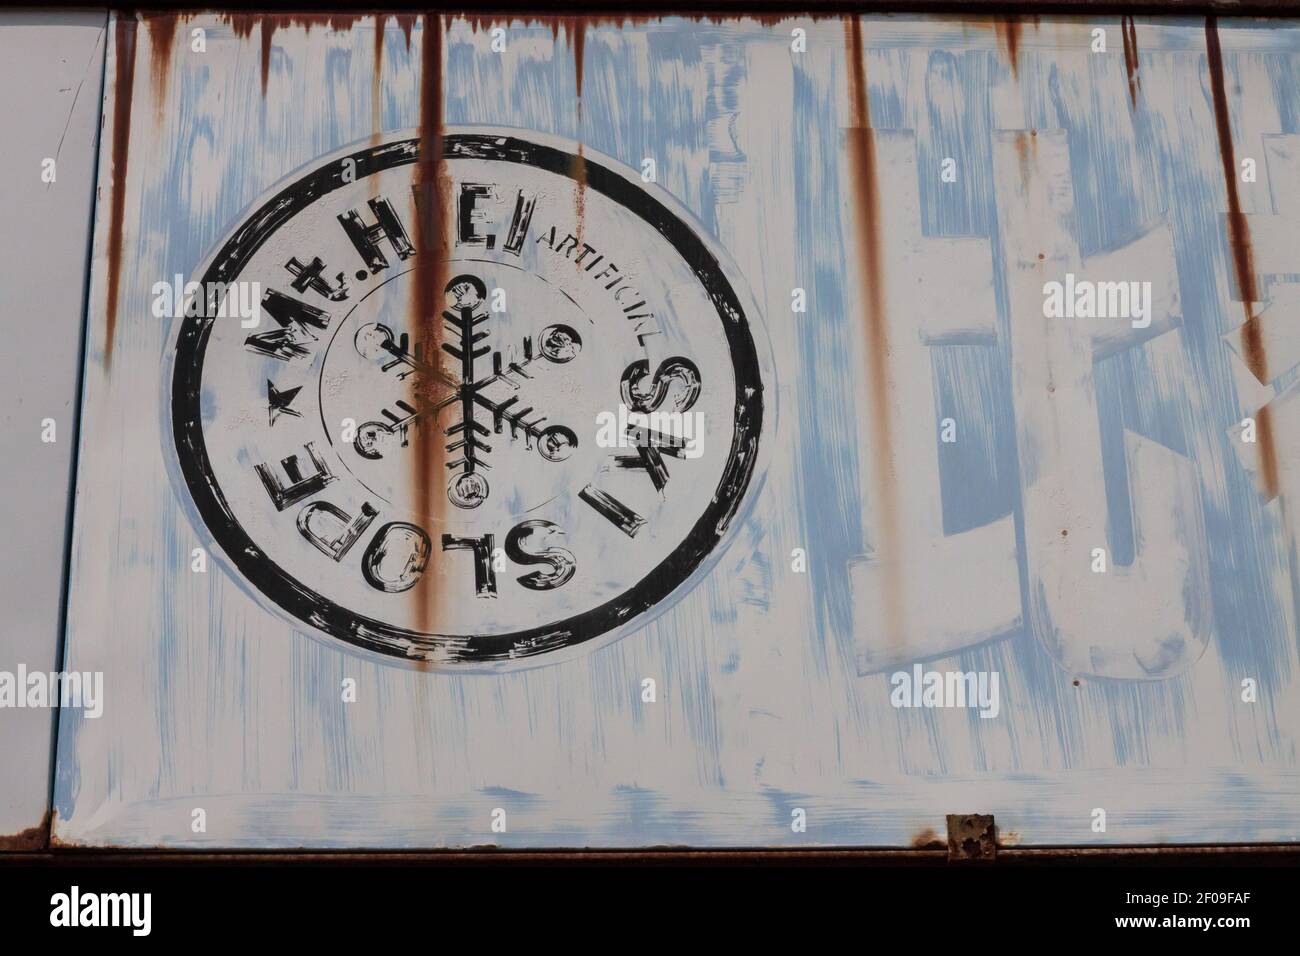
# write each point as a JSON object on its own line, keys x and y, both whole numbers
{"x": 689, "y": 431}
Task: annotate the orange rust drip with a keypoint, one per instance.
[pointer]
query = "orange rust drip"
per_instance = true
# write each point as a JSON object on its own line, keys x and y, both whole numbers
{"x": 1268, "y": 464}
{"x": 267, "y": 35}
{"x": 162, "y": 35}
{"x": 123, "y": 86}
{"x": 1243, "y": 257}
{"x": 1026, "y": 150}
{"x": 575, "y": 28}
{"x": 377, "y": 82}
{"x": 1239, "y": 230}
{"x": 241, "y": 23}
{"x": 865, "y": 181}
{"x": 579, "y": 172}
{"x": 1008, "y": 31}
{"x": 619, "y": 20}
{"x": 1022, "y": 155}
{"x": 268, "y": 23}
{"x": 406, "y": 21}
{"x": 1252, "y": 349}
{"x": 1128, "y": 30}
{"x": 478, "y": 24}
{"x": 428, "y": 455}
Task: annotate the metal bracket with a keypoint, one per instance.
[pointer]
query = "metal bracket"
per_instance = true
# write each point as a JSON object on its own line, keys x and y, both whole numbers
{"x": 972, "y": 837}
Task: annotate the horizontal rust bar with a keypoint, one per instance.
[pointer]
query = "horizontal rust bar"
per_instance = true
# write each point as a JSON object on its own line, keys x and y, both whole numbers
{"x": 637, "y": 9}
{"x": 1287, "y": 854}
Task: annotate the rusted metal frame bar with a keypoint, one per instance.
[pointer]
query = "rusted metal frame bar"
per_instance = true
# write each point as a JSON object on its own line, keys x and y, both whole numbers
{"x": 1285, "y": 854}
{"x": 616, "y": 12}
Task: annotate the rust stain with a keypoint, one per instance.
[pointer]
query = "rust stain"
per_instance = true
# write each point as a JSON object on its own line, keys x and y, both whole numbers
{"x": 556, "y": 23}
{"x": 578, "y": 170}
{"x": 1008, "y": 32}
{"x": 25, "y": 841}
{"x": 241, "y": 23}
{"x": 428, "y": 454}
{"x": 268, "y": 23}
{"x": 406, "y": 21}
{"x": 124, "y": 34}
{"x": 575, "y": 29}
{"x": 1243, "y": 258}
{"x": 267, "y": 32}
{"x": 1026, "y": 147}
{"x": 1128, "y": 30}
{"x": 1268, "y": 464}
{"x": 162, "y": 35}
{"x": 927, "y": 839}
{"x": 865, "y": 183}
{"x": 480, "y": 24}
{"x": 1252, "y": 347}
{"x": 377, "y": 82}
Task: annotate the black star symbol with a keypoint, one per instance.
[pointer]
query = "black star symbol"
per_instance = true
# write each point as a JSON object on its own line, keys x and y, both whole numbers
{"x": 280, "y": 401}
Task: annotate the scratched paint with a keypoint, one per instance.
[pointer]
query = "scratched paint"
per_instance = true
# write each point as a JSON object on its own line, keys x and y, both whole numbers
{"x": 1120, "y": 689}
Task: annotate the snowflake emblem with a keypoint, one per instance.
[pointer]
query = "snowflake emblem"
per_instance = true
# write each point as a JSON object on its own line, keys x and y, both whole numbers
{"x": 465, "y": 395}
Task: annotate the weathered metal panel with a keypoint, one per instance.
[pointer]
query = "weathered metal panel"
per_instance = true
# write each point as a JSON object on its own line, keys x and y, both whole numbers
{"x": 915, "y": 453}
{"x": 51, "y": 65}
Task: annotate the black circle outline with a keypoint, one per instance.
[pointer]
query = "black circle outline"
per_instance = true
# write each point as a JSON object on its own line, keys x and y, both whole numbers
{"x": 308, "y": 607}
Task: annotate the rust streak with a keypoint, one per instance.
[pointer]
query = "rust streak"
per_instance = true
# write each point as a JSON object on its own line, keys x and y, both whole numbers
{"x": 1268, "y": 464}
{"x": 267, "y": 32}
{"x": 865, "y": 181}
{"x": 268, "y": 23}
{"x": 1128, "y": 30}
{"x": 428, "y": 456}
{"x": 575, "y": 28}
{"x": 578, "y": 170}
{"x": 1026, "y": 152}
{"x": 477, "y": 24}
{"x": 1008, "y": 32}
{"x": 377, "y": 83}
{"x": 406, "y": 21}
{"x": 241, "y": 23}
{"x": 162, "y": 35}
{"x": 1252, "y": 348}
{"x": 124, "y": 34}
{"x": 1243, "y": 258}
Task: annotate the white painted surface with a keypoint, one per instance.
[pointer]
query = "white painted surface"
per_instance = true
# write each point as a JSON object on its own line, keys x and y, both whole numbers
{"x": 761, "y": 703}
{"x": 51, "y": 68}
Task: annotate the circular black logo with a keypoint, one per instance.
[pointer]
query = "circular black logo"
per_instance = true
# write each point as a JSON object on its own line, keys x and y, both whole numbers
{"x": 529, "y": 456}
